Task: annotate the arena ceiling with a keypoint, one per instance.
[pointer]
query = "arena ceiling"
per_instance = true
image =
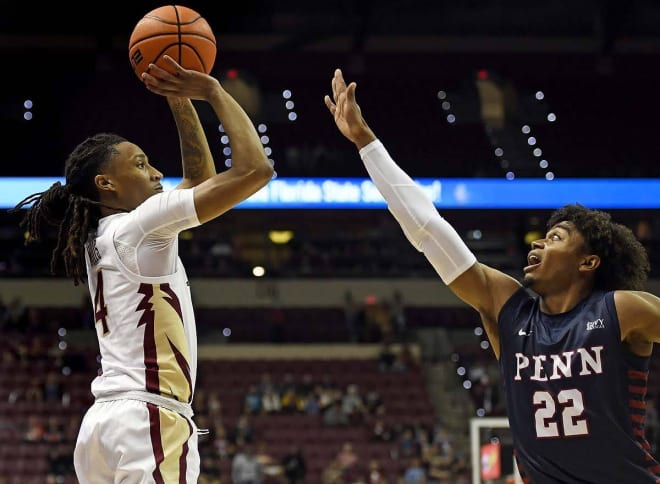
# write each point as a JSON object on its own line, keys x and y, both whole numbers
{"x": 596, "y": 59}
{"x": 383, "y": 25}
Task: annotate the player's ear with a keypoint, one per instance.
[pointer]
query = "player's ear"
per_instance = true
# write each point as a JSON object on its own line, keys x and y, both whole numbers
{"x": 103, "y": 182}
{"x": 590, "y": 262}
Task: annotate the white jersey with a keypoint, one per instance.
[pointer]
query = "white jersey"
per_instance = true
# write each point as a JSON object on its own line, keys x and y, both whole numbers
{"x": 144, "y": 316}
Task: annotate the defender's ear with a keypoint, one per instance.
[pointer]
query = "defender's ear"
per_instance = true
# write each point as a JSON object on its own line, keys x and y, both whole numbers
{"x": 590, "y": 263}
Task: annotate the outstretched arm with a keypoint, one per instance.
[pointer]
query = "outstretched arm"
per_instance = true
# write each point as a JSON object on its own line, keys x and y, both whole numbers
{"x": 250, "y": 169}
{"x": 480, "y": 286}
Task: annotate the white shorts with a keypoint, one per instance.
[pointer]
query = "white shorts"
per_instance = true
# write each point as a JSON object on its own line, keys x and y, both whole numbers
{"x": 135, "y": 442}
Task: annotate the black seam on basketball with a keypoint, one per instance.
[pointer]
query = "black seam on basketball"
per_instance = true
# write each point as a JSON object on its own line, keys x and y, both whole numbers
{"x": 196, "y": 53}
{"x": 169, "y": 22}
{"x": 188, "y": 34}
{"x": 160, "y": 19}
{"x": 178, "y": 30}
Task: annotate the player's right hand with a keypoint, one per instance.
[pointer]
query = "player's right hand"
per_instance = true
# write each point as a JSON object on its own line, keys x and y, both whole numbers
{"x": 185, "y": 83}
{"x": 346, "y": 111}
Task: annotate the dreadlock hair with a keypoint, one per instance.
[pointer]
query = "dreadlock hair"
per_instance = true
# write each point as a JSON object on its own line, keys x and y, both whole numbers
{"x": 624, "y": 263}
{"x": 73, "y": 207}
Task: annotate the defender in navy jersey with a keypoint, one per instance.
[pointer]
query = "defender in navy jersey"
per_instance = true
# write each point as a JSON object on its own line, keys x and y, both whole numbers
{"x": 119, "y": 232}
{"x": 573, "y": 337}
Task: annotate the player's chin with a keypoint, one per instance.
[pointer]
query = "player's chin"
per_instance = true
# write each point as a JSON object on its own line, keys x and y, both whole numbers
{"x": 528, "y": 281}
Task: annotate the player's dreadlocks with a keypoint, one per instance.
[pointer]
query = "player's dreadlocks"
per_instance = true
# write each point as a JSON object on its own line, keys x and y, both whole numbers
{"x": 624, "y": 263}
{"x": 73, "y": 207}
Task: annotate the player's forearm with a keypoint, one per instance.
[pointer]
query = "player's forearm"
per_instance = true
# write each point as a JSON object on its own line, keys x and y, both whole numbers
{"x": 426, "y": 230}
{"x": 196, "y": 158}
{"x": 247, "y": 151}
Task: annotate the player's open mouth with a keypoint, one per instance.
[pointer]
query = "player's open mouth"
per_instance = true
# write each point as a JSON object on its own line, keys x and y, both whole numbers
{"x": 533, "y": 260}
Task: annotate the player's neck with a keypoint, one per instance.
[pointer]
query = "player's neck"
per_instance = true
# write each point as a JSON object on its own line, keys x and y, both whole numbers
{"x": 565, "y": 300}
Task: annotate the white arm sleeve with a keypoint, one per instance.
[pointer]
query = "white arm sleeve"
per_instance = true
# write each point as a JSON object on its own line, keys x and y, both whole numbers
{"x": 426, "y": 230}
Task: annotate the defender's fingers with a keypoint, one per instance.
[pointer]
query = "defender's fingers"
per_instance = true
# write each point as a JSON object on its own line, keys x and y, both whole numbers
{"x": 339, "y": 80}
{"x": 329, "y": 104}
{"x": 350, "y": 91}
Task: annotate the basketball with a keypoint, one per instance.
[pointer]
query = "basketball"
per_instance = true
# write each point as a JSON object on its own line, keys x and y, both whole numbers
{"x": 173, "y": 30}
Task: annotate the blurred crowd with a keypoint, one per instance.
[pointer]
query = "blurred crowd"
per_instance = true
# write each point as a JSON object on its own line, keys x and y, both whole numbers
{"x": 327, "y": 245}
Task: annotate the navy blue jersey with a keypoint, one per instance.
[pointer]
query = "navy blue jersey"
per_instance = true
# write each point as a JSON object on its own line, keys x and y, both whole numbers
{"x": 575, "y": 394}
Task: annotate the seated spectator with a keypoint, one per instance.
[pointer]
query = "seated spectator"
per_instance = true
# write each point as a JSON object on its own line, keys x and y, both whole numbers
{"x": 224, "y": 448}
{"x": 408, "y": 447}
{"x": 414, "y": 472}
{"x": 326, "y": 396}
{"x": 35, "y": 429}
{"x": 53, "y": 432}
{"x": 344, "y": 468}
{"x": 376, "y": 475}
{"x": 333, "y": 416}
{"x": 290, "y": 402}
{"x": 253, "y": 400}
{"x": 380, "y": 432}
{"x": 269, "y": 466}
{"x": 372, "y": 402}
{"x": 311, "y": 405}
{"x": 243, "y": 431}
{"x": 211, "y": 472}
{"x": 354, "y": 469}
{"x": 352, "y": 405}
{"x": 245, "y": 467}
{"x": 270, "y": 402}
{"x": 295, "y": 467}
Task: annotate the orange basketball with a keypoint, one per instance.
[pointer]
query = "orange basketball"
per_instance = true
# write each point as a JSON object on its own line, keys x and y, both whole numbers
{"x": 177, "y": 31}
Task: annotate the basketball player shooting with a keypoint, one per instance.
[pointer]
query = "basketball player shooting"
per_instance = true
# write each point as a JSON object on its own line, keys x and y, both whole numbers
{"x": 573, "y": 338}
{"x": 118, "y": 230}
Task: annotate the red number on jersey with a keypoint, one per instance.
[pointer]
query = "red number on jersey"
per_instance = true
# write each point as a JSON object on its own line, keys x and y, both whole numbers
{"x": 100, "y": 309}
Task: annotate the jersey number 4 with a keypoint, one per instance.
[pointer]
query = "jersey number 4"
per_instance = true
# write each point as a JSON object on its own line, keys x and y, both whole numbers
{"x": 546, "y": 416}
{"x": 100, "y": 309}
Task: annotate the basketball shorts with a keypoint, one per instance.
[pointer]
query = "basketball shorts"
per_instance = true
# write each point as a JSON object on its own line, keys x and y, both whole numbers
{"x": 135, "y": 442}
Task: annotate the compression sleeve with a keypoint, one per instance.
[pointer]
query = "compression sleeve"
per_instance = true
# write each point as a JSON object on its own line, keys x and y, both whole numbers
{"x": 423, "y": 226}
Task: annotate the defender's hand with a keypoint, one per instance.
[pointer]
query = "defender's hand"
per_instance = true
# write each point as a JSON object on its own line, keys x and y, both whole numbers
{"x": 347, "y": 113}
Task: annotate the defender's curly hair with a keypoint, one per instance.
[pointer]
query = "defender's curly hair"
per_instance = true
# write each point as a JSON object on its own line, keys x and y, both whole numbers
{"x": 73, "y": 207}
{"x": 624, "y": 263}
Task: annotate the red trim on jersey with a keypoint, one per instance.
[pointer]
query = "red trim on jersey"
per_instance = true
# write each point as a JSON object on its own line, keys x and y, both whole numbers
{"x": 152, "y": 380}
{"x": 185, "y": 368}
{"x": 183, "y": 467}
{"x": 173, "y": 300}
{"x": 638, "y": 375}
{"x": 638, "y": 404}
{"x": 637, "y": 418}
{"x": 156, "y": 443}
{"x": 638, "y": 390}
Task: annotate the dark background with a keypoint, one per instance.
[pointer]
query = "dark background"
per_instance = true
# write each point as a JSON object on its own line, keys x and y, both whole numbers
{"x": 596, "y": 63}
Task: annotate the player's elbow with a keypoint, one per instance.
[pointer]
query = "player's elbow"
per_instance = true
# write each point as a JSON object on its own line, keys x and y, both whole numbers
{"x": 264, "y": 172}
{"x": 257, "y": 175}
